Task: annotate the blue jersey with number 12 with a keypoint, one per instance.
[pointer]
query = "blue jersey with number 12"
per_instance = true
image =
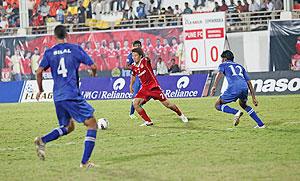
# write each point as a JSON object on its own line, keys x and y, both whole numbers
{"x": 235, "y": 74}
{"x": 64, "y": 60}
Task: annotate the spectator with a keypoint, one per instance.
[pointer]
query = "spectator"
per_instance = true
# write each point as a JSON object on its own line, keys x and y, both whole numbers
{"x": 15, "y": 14}
{"x": 35, "y": 60}
{"x": 60, "y": 14}
{"x": 232, "y": 7}
{"x": 224, "y": 6}
{"x": 278, "y": 5}
{"x": 239, "y": 7}
{"x": 89, "y": 13}
{"x": 196, "y": 4}
{"x": 269, "y": 5}
{"x": 4, "y": 23}
{"x": 7, "y": 61}
{"x": 26, "y": 63}
{"x": 69, "y": 18}
{"x": 159, "y": 4}
{"x": 162, "y": 11}
{"x": 217, "y": 7}
{"x": 155, "y": 12}
{"x": 177, "y": 11}
{"x": 170, "y": 11}
{"x": 152, "y": 5}
{"x": 141, "y": 13}
{"x": 174, "y": 67}
{"x": 97, "y": 7}
{"x": 17, "y": 67}
{"x": 45, "y": 9}
{"x": 254, "y": 6}
{"x": 245, "y": 6}
{"x": 9, "y": 10}
{"x": 30, "y": 5}
{"x": 130, "y": 14}
{"x": 187, "y": 9}
{"x": 161, "y": 68}
{"x": 81, "y": 13}
{"x": 2, "y": 11}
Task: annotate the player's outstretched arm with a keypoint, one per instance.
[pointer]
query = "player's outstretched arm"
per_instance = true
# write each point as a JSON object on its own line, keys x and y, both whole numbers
{"x": 132, "y": 80}
{"x": 250, "y": 86}
{"x": 39, "y": 78}
{"x": 217, "y": 80}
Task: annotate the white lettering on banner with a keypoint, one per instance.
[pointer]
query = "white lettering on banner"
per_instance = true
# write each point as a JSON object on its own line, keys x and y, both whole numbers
{"x": 94, "y": 95}
{"x": 31, "y": 89}
{"x": 280, "y": 85}
{"x": 179, "y": 93}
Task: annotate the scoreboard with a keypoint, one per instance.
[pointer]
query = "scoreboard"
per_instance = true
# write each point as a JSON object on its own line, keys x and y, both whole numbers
{"x": 204, "y": 38}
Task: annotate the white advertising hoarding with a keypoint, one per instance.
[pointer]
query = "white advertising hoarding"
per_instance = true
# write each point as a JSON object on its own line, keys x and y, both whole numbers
{"x": 31, "y": 89}
{"x": 204, "y": 38}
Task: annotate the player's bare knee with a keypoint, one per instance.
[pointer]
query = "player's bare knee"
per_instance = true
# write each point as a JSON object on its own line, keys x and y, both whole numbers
{"x": 136, "y": 104}
{"x": 71, "y": 127}
{"x": 243, "y": 104}
{"x": 91, "y": 123}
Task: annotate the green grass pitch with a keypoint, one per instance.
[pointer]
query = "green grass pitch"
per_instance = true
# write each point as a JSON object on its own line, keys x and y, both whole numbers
{"x": 206, "y": 148}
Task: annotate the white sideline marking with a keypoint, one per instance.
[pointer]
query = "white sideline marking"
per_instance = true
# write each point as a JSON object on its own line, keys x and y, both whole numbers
{"x": 293, "y": 122}
{"x": 23, "y": 147}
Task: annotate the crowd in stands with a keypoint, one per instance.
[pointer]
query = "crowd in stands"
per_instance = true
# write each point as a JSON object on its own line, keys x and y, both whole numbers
{"x": 73, "y": 12}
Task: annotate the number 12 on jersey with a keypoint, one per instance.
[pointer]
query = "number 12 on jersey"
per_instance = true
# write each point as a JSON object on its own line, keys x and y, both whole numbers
{"x": 61, "y": 70}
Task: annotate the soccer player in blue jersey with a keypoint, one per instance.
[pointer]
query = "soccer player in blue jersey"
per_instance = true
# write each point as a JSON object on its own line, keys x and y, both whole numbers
{"x": 64, "y": 60}
{"x": 137, "y": 83}
{"x": 238, "y": 84}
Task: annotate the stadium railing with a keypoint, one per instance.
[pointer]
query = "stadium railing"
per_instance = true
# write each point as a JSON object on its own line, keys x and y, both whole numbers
{"x": 235, "y": 22}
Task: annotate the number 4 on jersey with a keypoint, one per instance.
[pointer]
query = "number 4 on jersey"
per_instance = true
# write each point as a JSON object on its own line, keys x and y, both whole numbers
{"x": 62, "y": 68}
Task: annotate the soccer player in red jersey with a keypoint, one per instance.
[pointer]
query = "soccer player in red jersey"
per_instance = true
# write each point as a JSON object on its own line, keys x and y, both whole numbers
{"x": 150, "y": 87}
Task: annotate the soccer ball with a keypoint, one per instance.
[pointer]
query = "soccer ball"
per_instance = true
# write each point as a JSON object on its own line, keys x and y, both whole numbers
{"x": 102, "y": 123}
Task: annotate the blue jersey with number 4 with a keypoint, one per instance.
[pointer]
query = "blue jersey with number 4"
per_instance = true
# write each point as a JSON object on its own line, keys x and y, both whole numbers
{"x": 235, "y": 74}
{"x": 64, "y": 60}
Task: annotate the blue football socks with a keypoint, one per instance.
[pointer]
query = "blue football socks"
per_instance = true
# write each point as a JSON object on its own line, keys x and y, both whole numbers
{"x": 89, "y": 145}
{"x": 131, "y": 109}
{"x": 56, "y": 133}
{"x": 226, "y": 109}
{"x": 254, "y": 116}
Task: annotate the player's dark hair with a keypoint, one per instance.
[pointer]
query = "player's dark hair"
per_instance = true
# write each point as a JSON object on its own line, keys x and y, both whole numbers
{"x": 60, "y": 32}
{"x": 137, "y": 43}
{"x": 138, "y": 51}
{"x": 228, "y": 55}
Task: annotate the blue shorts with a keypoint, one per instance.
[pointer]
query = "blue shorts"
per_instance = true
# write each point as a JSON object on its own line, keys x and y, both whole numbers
{"x": 79, "y": 110}
{"x": 232, "y": 96}
{"x": 136, "y": 87}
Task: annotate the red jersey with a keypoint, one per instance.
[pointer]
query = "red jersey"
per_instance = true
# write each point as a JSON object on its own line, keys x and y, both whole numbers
{"x": 26, "y": 62}
{"x": 166, "y": 53}
{"x": 8, "y": 62}
{"x": 112, "y": 58}
{"x": 98, "y": 59}
{"x": 145, "y": 73}
{"x": 124, "y": 54}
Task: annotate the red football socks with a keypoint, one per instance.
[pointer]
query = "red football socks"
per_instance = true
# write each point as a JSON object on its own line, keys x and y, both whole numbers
{"x": 144, "y": 115}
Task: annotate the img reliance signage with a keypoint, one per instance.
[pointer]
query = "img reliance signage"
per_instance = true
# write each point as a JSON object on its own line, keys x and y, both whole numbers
{"x": 118, "y": 88}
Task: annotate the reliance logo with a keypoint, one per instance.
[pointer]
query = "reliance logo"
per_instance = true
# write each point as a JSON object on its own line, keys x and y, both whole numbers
{"x": 183, "y": 82}
{"x": 119, "y": 84}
